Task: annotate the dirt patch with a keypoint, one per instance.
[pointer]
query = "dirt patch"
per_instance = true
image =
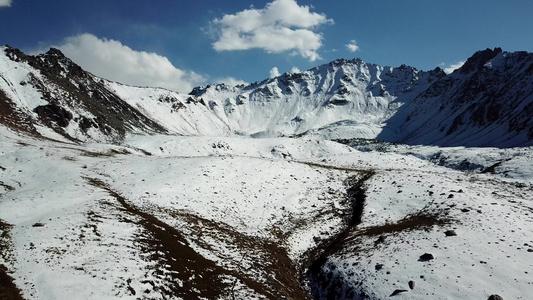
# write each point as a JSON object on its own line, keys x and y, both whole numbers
{"x": 108, "y": 153}
{"x": 273, "y": 274}
{"x": 191, "y": 275}
{"x": 7, "y": 187}
{"x": 187, "y": 274}
{"x": 14, "y": 118}
{"x": 8, "y": 289}
{"x": 422, "y": 220}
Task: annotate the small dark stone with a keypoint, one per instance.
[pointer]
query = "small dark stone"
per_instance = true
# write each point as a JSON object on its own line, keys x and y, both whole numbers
{"x": 396, "y": 292}
{"x": 465, "y": 210}
{"x": 495, "y": 297}
{"x": 38, "y": 225}
{"x": 450, "y": 233}
{"x": 379, "y": 267}
{"x": 426, "y": 256}
{"x": 450, "y": 196}
{"x": 380, "y": 240}
{"x": 411, "y": 284}
{"x": 529, "y": 250}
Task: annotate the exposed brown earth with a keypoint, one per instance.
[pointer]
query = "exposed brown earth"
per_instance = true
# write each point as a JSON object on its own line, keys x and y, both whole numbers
{"x": 189, "y": 275}
{"x": 8, "y": 289}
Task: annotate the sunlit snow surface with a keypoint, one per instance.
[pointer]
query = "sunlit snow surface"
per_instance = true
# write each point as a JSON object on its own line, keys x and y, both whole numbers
{"x": 225, "y": 194}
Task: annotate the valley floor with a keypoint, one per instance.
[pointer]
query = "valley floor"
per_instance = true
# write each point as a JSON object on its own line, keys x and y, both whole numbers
{"x": 234, "y": 218}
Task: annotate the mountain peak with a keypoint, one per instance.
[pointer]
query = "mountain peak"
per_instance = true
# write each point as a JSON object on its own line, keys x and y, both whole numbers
{"x": 479, "y": 59}
{"x": 55, "y": 53}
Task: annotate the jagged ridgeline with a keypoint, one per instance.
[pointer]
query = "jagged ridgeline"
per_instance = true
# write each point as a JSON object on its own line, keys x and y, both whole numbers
{"x": 487, "y": 102}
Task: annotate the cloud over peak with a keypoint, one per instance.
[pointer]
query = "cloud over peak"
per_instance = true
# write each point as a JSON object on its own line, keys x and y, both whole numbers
{"x": 114, "y": 61}
{"x": 352, "y": 46}
{"x": 281, "y": 26}
{"x": 453, "y": 67}
{"x": 5, "y": 3}
{"x": 274, "y": 72}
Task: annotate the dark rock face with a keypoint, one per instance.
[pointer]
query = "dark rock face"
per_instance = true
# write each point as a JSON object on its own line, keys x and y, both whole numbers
{"x": 479, "y": 59}
{"x": 495, "y": 297}
{"x": 54, "y": 113}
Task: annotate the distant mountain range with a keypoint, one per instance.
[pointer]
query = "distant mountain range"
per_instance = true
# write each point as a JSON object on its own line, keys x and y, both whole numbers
{"x": 486, "y": 102}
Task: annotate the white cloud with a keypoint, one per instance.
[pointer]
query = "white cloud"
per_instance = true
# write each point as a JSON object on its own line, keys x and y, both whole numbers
{"x": 114, "y": 61}
{"x": 231, "y": 81}
{"x": 5, "y": 3}
{"x": 295, "y": 70}
{"x": 281, "y": 26}
{"x": 453, "y": 67}
{"x": 274, "y": 72}
{"x": 352, "y": 46}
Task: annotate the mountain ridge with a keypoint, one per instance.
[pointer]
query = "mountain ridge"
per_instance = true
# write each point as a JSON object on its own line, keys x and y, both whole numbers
{"x": 343, "y": 99}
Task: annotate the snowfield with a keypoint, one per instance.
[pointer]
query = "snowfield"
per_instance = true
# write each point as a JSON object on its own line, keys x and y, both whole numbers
{"x": 160, "y": 217}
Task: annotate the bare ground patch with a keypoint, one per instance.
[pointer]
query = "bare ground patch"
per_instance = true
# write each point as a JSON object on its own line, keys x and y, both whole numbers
{"x": 8, "y": 289}
{"x": 185, "y": 273}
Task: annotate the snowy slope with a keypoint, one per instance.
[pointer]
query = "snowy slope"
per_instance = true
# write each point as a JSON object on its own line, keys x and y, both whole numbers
{"x": 410, "y": 206}
{"x": 342, "y": 93}
{"x": 255, "y": 210}
{"x": 91, "y": 234}
{"x": 178, "y": 113}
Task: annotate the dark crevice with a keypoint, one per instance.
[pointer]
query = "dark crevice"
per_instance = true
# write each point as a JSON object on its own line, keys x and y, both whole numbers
{"x": 316, "y": 258}
{"x": 324, "y": 282}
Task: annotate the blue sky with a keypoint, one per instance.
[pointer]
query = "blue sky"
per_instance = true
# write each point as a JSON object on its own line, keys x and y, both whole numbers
{"x": 179, "y": 44}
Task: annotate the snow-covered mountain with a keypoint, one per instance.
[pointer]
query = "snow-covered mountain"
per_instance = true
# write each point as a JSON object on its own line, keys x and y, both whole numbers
{"x": 487, "y": 102}
{"x": 273, "y": 190}
{"x": 489, "y": 97}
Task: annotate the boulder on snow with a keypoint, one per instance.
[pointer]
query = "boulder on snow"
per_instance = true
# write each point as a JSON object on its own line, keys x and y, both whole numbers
{"x": 495, "y": 297}
{"x": 450, "y": 233}
{"x": 426, "y": 257}
{"x": 411, "y": 284}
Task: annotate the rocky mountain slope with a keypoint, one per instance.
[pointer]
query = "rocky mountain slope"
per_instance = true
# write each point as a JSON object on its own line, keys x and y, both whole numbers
{"x": 487, "y": 102}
